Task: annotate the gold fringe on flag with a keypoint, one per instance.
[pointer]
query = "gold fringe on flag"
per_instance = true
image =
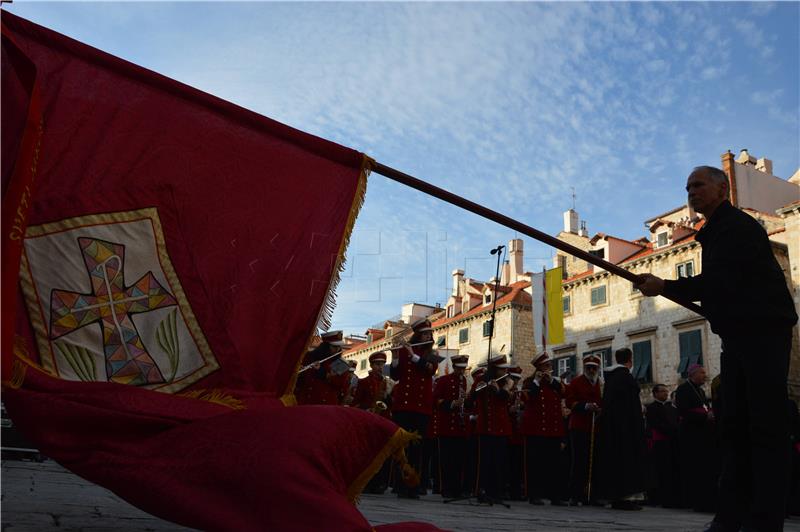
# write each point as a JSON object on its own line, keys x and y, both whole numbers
{"x": 395, "y": 448}
{"x": 329, "y": 304}
{"x": 215, "y": 396}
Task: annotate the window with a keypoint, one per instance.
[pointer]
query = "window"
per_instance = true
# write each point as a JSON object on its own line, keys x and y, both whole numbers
{"x": 388, "y": 333}
{"x": 691, "y": 349}
{"x": 487, "y": 328}
{"x": 463, "y": 336}
{"x": 564, "y": 364}
{"x": 661, "y": 239}
{"x": 642, "y": 361}
{"x": 487, "y": 298}
{"x": 369, "y": 338}
{"x": 634, "y": 290}
{"x": 364, "y": 364}
{"x": 441, "y": 341}
{"x": 599, "y": 295}
{"x": 684, "y": 269}
{"x": 451, "y": 311}
{"x": 565, "y": 304}
{"x": 601, "y": 253}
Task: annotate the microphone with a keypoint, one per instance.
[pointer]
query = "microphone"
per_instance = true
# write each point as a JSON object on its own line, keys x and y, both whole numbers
{"x": 497, "y": 250}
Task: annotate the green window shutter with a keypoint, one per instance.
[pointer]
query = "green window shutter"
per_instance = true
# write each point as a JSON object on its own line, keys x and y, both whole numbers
{"x": 691, "y": 349}
{"x": 463, "y": 336}
{"x": 642, "y": 361}
{"x": 573, "y": 364}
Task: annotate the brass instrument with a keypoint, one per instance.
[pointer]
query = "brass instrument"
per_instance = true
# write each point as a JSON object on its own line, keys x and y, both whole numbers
{"x": 379, "y": 407}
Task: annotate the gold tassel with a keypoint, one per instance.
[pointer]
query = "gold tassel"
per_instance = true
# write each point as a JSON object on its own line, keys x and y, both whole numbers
{"x": 393, "y": 448}
{"x": 215, "y": 396}
{"x": 329, "y": 304}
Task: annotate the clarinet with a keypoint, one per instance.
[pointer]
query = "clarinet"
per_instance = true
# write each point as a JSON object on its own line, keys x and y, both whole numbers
{"x": 461, "y": 397}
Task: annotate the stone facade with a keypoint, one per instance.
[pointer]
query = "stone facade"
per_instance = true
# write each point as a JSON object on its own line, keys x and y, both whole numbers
{"x": 616, "y": 315}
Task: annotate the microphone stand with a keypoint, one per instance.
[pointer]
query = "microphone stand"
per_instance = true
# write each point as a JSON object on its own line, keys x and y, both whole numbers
{"x": 485, "y": 403}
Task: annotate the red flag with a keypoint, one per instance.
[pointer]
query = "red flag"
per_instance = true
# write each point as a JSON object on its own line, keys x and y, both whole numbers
{"x": 175, "y": 245}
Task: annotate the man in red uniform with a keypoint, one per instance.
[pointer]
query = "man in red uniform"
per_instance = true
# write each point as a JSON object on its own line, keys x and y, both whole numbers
{"x": 583, "y": 398}
{"x": 449, "y": 396}
{"x": 412, "y": 397}
{"x": 492, "y": 399}
{"x": 372, "y": 393}
{"x": 374, "y": 387}
{"x": 320, "y": 384}
{"x": 543, "y": 427}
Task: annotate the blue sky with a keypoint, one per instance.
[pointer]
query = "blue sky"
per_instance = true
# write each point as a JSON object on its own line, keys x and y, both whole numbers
{"x": 508, "y": 104}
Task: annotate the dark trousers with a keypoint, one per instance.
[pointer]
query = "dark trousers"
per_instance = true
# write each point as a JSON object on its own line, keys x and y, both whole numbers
{"x": 579, "y": 466}
{"x": 412, "y": 422}
{"x": 452, "y": 457}
{"x": 543, "y": 467}
{"x": 665, "y": 461}
{"x": 515, "y": 475}
{"x": 471, "y": 466}
{"x": 754, "y": 431}
{"x": 491, "y": 461}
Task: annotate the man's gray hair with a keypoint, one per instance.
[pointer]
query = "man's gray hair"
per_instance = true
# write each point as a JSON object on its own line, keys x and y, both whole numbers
{"x": 714, "y": 173}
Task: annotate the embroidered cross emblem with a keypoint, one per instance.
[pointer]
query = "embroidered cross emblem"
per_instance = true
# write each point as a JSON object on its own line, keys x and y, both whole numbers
{"x": 112, "y": 303}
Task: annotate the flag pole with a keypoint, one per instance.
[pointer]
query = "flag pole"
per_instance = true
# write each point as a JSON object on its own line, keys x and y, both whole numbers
{"x": 480, "y": 210}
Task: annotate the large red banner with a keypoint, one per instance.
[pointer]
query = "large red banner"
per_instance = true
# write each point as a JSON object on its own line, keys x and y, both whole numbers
{"x": 174, "y": 255}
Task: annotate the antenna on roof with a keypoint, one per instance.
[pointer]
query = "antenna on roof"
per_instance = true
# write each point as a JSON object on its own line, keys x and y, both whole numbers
{"x": 573, "y": 198}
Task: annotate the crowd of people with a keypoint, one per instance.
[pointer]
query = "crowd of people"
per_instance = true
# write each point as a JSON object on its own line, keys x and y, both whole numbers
{"x": 496, "y": 436}
{"x": 590, "y": 441}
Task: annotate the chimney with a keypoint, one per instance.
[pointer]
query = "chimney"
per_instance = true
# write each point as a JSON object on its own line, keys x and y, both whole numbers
{"x": 571, "y": 221}
{"x": 583, "y": 231}
{"x": 505, "y": 273}
{"x": 458, "y": 278}
{"x": 764, "y": 165}
{"x": 745, "y": 157}
{"x": 515, "y": 252}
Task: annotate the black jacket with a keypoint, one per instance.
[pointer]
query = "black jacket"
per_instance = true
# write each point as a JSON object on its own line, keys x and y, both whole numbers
{"x": 741, "y": 288}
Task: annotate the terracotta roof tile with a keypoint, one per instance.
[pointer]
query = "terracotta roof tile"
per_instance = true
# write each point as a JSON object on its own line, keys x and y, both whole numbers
{"x": 516, "y": 294}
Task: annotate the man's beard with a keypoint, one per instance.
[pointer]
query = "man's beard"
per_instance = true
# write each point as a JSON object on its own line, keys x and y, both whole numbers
{"x": 593, "y": 378}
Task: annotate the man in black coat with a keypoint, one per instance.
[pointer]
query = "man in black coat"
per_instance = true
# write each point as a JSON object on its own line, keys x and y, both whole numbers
{"x": 744, "y": 296}
{"x": 622, "y": 436}
{"x": 697, "y": 442}
{"x": 662, "y": 422}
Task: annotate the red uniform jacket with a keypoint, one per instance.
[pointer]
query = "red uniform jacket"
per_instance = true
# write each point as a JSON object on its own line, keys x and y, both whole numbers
{"x": 450, "y": 422}
{"x": 579, "y": 392}
{"x": 319, "y": 387}
{"x": 491, "y": 407}
{"x": 414, "y": 392}
{"x": 543, "y": 416}
{"x": 370, "y": 389}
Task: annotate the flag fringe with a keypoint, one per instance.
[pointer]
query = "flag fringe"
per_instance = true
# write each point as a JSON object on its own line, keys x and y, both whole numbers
{"x": 393, "y": 448}
{"x": 215, "y": 396}
{"x": 329, "y": 304}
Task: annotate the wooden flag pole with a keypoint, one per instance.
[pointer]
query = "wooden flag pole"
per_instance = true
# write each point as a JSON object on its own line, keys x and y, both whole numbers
{"x": 480, "y": 210}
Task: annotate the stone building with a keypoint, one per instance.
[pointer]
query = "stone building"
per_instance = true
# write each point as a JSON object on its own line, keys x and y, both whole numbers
{"x": 462, "y": 326}
{"x": 603, "y": 312}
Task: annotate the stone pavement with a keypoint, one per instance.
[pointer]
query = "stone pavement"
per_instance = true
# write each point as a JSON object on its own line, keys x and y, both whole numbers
{"x": 44, "y": 496}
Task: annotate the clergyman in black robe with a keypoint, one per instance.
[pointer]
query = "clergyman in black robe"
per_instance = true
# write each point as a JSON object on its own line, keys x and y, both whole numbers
{"x": 622, "y": 444}
{"x": 662, "y": 423}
